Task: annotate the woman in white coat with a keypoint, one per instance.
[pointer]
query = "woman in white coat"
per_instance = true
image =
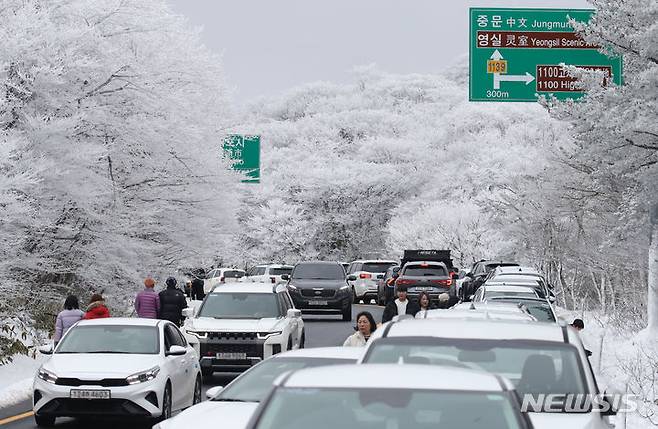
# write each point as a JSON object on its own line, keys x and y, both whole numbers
{"x": 365, "y": 326}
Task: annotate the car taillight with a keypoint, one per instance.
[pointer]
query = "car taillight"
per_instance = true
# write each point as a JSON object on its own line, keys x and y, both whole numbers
{"x": 221, "y": 279}
{"x": 365, "y": 276}
{"x": 273, "y": 279}
{"x": 443, "y": 282}
{"x": 400, "y": 282}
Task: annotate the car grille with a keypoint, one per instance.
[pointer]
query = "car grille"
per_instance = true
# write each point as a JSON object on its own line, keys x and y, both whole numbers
{"x": 251, "y": 349}
{"x": 324, "y": 293}
{"x": 81, "y": 407}
{"x": 232, "y": 335}
{"x": 106, "y": 382}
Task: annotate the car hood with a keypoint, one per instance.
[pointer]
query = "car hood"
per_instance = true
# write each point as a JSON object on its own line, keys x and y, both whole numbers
{"x": 325, "y": 284}
{"x": 568, "y": 421}
{"x": 96, "y": 366}
{"x": 232, "y": 415}
{"x": 234, "y": 325}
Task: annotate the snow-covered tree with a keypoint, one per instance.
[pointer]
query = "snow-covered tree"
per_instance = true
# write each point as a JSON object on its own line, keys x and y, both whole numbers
{"x": 110, "y": 112}
{"x": 615, "y": 156}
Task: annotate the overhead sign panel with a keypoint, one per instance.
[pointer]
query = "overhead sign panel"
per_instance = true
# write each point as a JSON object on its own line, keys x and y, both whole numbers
{"x": 244, "y": 150}
{"x": 515, "y": 54}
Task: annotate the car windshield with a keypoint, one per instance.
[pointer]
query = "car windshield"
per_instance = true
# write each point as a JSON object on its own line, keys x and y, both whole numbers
{"x": 535, "y": 367}
{"x": 118, "y": 339}
{"x": 240, "y": 305}
{"x": 233, "y": 274}
{"x": 254, "y": 384}
{"x": 541, "y": 310}
{"x": 319, "y": 272}
{"x": 280, "y": 271}
{"x": 422, "y": 271}
{"x": 495, "y": 293}
{"x": 376, "y": 267}
{"x": 387, "y": 408}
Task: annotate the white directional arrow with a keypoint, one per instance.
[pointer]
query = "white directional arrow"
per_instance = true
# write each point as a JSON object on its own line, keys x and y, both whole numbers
{"x": 496, "y": 55}
{"x": 527, "y": 78}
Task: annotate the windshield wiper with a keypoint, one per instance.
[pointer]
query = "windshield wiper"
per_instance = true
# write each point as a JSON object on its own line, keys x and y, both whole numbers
{"x": 230, "y": 400}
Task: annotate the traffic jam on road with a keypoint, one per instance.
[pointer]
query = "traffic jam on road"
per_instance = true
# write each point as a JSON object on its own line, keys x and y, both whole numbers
{"x": 482, "y": 348}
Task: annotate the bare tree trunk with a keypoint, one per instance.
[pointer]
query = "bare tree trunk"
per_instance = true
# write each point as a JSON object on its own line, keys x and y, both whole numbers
{"x": 652, "y": 298}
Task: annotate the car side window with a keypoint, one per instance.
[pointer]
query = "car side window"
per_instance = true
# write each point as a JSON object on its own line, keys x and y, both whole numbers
{"x": 173, "y": 338}
{"x": 282, "y": 305}
{"x": 288, "y": 300}
{"x": 260, "y": 271}
{"x": 285, "y": 301}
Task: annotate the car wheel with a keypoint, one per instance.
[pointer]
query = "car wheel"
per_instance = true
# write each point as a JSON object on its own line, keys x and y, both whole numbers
{"x": 166, "y": 403}
{"x": 347, "y": 314}
{"x": 302, "y": 340}
{"x": 44, "y": 421}
{"x": 197, "y": 391}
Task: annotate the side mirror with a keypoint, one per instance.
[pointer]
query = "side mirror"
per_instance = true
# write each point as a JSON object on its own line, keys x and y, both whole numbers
{"x": 351, "y": 278}
{"x": 46, "y": 350}
{"x": 294, "y": 313}
{"x": 380, "y": 276}
{"x": 285, "y": 277}
{"x": 213, "y": 391}
{"x": 176, "y": 351}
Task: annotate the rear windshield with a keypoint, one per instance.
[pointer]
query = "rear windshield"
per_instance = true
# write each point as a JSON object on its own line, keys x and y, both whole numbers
{"x": 376, "y": 267}
{"x": 430, "y": 270}
{"x": 280, "y": 271}
{"x": 492, "y": 294}
{"x": 319, "y": 272}
{"x": 233, "y": 274}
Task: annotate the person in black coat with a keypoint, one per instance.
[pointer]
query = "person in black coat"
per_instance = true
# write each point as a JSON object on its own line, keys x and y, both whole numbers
{"x": 172, "y": 303}
{"x": 401, "y": 304}
{"x": 197, "y": 286}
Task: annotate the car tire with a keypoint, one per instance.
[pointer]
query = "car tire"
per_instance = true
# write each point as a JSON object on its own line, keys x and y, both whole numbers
{"x": 44, "y": 421}
{"x": 198, "y": 385}
{"x": 166, "y": 403}
{"x": 347, "y": 314}
{"x": 302, "y": 340}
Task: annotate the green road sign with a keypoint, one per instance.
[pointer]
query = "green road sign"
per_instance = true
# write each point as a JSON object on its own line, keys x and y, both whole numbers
{"x": 515, "y": 54}
{"x": 245, "y": 151}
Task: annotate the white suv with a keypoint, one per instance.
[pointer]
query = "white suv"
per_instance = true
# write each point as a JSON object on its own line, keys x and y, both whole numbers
{"x": 220, "y": 276}
{"x": 240, "y": 324}
{"x": 365, "y": 275}
{"x": 267, "y": 273}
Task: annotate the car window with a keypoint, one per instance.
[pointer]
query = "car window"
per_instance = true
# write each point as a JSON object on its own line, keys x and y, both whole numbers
{"x": 283, "y": 296}
{"x": 354, "y": 267}
{"x": 365, "y": 407}
{"x": 288, "y": 300}
{"x": 233, "y": 274}
{"x": 240, "y": 305}
{"x": 376, "y": 267}
{"x": 260, "y": 271}
{"x": 280, "y": 271}
{"x": 493, "y": 294}
{"x": 172, "y": 338}
{"x": 428, "y": 270}
{"x": 318, "y": 272}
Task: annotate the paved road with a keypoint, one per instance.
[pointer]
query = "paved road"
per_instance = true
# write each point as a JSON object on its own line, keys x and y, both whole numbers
{"x": 321, "y": 331}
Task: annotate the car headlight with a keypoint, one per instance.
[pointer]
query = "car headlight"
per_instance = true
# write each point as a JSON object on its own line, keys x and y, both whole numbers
{"x": 46, "y": 375}
{"x": 144, "y": 376}
{"x": 265, "y": 335}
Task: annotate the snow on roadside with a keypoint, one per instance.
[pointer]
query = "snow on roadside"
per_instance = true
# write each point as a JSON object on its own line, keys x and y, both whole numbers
{"x": 17, "y": 377}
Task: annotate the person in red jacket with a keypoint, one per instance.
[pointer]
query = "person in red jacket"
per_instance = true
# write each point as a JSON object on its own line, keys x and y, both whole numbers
{"x": 96, "y": 308}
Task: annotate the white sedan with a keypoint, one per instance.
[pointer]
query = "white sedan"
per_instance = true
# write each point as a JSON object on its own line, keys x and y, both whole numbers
{"x": 118, "y": 367}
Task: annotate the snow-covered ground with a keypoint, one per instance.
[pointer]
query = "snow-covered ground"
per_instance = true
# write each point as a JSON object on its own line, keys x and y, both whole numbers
{"x": 16, "y": 379}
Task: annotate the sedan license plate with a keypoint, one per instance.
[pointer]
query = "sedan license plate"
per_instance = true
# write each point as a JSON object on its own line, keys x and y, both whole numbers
{"x": 318, "y": 303}
{"x": 423, "y": 289}
{"x": 90, "y": 394}
{"x": 232, "y": 356}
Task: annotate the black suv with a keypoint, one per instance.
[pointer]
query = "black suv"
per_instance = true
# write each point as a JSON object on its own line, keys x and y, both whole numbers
{"x": 320, "y": 287}
{"x": 478, "y": 274}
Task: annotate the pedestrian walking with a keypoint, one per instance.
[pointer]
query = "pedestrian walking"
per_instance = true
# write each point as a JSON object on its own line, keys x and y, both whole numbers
{"x": 172, "y": 303}
{"x": 401, "y": 305}
{"x": 96, "y": 308}
{"x": 365, "y": 326}
{"x": 67, "y": 317}
{"x": 147, "y": 302}
{"x": 425, "y": 304}
{"x": 197, "y": 286}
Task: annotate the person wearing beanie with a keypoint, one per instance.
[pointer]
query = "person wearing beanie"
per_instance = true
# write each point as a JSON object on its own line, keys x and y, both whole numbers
{"x": 172, "y": 303}
{"x": 96, "y": 308}
{"x": 147, "y": 302}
